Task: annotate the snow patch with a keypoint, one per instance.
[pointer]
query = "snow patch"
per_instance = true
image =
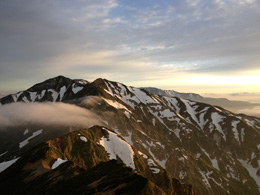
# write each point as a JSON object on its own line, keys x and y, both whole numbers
{"x": 190, "y": 110}
{"x": 156, "y": 115}
{"x": 253, "y": 155}
{"x": 233, "y": 173}
{"x": 116, "y": 147}
{"x": 16, "y": 96}
{"x": 162, "y": 163}
{"x": 216, "y": 119}
{"x": 33, "y": 96}
{"x": 167, "y": 113}
{"x": 215, "y": 163}
{"x": 151, "y": 144}
{"x": 129, "y": 138}
{"x": 242, "y": 135}
{"x": 182, "y": 160}
{"x": 127, "y": 114}
{"x": 142, "y": 96}
{"x": 258, "y": 147}
{"x": 151, "y": 163}
{"x": 155, "y": 170}
{"x": 82, "y": 82}
{"x": 153, "y": 120}
{"x": 198, "y": 156}
{"x": 145, "y": 157}
{"x": 173, "y": 103}
{"x": 62, "y": 92}
{"x": 23, "y": 143}
{"x": 235, "y": 131}
{"x": 57, "y": 163}
{"x": 83, "y": 139}
{"x": 158, "y": 143}
{"x": 250, "y": 122}
{"x": 205, "y": 178}
{"x": 109, "y": 91}
{"x": 3, "y": 153}
{"x": 5, "y": 165}
{"x": 26, "y": 131}
{"x": 42, "y": 94}
{"x": 76, "y": 88}
{"x": 54, "y": 94}
{"x": 177, "y": 133}
{"x": 25, "y": 99}
{"x": 182, "y": 174}
{"x": 201, "y": 119}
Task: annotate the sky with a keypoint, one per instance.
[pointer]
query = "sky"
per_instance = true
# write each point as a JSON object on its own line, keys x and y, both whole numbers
{"x": 201, "y": 46}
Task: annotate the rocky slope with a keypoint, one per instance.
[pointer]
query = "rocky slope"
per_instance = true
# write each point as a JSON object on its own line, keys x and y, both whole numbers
{"x": 90, "y": 161}
{"x": 209, "y": 147}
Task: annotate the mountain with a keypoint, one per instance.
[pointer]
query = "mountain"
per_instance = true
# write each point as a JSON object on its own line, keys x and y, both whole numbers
{"x": 234, "y": 106}
{"x": 172, "y": 93}
{"x": 89, "y": 161}
{"x": 56, "y": 90}
{"x": 211, "y": 148}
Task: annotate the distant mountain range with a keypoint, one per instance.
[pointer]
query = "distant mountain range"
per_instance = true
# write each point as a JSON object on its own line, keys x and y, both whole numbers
{"x": 234, "y": 106}
{"x": 144, "y": 143}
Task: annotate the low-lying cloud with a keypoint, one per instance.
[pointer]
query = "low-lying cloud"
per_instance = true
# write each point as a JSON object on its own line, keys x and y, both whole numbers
{"x": 252, "y": 111}
{"x": 91, "y": 101}
{"x": 46, "y": 114}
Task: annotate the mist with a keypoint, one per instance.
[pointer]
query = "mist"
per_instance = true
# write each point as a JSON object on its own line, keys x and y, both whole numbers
{"x": 252, "y": 111}
{"x": 46, "y": 114}
{"x": 91, "y": 101}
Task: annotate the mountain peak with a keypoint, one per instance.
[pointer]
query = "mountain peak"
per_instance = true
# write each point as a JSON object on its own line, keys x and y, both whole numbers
{"x": 52, "y": 83}
{"x": 55, "y": 89}
{"x": 170, "y": 133}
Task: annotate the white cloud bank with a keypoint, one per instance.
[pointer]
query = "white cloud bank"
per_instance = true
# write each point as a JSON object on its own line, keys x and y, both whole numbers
{"x": 46, "y": 113}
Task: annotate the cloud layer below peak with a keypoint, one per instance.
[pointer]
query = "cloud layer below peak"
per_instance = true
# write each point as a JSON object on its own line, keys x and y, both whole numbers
{"x": 46, "y": 114}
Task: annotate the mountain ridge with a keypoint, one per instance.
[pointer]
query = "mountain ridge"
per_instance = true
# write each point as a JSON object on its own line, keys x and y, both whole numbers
{"x": 209, "y": 147}
{"x": 87, "y": 158}
{"x": 233, "y": 105}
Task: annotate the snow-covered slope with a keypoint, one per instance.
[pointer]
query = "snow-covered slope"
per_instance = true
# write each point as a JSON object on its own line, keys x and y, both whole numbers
{"x": 215, "y": 150}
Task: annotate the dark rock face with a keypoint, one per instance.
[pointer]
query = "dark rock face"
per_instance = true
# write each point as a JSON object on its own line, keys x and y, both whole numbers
{"x": 207, "y": 146}
{"x": 85, "y": 167}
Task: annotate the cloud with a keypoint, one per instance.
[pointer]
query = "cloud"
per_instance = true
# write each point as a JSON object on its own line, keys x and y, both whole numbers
{"x": 86, "y": 38}
{"x": 91, "y": 101}
{"x": 46, "y": 114}
{"x": 252, "y": 111}
{"x": 245, "y": 94}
